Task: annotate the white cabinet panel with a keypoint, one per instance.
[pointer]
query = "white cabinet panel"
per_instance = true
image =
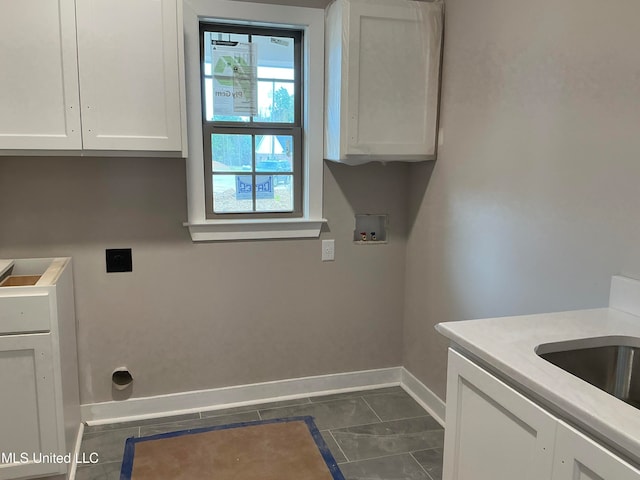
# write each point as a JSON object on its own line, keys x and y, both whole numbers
{"x": 382, "y": 77}
{"x": 580, "y": 458}
{"x": 493, "y": 432}
{"x": 28, "y": 417}
{"x": 39, "y": 76}
{"x": 129, "y": 76}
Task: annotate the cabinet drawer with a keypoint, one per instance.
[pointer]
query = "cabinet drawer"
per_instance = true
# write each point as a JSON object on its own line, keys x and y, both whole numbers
{"x": 25, "y": 313}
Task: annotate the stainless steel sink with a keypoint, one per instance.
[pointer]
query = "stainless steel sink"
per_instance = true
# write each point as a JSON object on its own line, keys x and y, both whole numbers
{"x": 612, "y": 367}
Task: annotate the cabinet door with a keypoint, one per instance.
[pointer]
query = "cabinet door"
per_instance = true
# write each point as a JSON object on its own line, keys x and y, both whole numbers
{"x": 28, "y": 420}
{"x": 38, "y": 76}
{"x": 493, "y": 432}
{"x": 580, "y": 458}
{"x": 129, "y": 74}
{"x": 394, "y": 56}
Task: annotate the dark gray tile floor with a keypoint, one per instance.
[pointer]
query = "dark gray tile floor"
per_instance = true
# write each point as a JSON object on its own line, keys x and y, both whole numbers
{"x": 373, "y": 434}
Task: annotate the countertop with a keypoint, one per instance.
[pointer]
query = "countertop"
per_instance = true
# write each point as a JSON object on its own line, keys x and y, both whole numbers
{"x": 508, "y": 346}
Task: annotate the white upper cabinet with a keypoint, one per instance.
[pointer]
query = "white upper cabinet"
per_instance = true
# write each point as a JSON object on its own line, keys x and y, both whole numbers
{"x": 382, "y": 80}
{"x": 39, "y": 103}
{"x": 129, "y": 77}
{"x": 92, "y": 76}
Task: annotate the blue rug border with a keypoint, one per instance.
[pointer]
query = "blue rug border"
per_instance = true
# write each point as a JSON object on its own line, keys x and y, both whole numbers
{"x": 327, "y": 456}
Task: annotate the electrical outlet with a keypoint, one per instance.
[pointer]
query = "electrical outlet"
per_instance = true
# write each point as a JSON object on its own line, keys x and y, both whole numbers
{"x": 328, "y": 250}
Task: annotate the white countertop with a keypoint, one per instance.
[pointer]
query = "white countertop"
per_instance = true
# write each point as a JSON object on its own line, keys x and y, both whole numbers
{"x": 508, "y": 344}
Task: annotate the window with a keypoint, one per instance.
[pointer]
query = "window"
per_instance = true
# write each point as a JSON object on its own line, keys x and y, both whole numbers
{"x": 251, "y": 109}
{"x": 254, "y": 84}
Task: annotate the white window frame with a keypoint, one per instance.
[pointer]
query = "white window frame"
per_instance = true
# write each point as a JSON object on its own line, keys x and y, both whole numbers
{"x": 311, "y": 21}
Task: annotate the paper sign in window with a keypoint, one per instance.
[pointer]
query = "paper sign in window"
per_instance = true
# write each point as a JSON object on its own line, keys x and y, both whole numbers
{"x": 235, "y": 78}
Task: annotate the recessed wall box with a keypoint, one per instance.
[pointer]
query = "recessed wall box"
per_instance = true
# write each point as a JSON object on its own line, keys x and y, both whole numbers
{"x": 119, "y": 260}
{"x": 371, "y": 229}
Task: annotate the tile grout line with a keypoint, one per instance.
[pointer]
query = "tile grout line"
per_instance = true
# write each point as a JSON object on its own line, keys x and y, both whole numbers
{"x": 371, "y": 408}
{"x": 339, "y": 447}
{"x": 95, "y": 465}
{"x": 387, "y": 421}
{"x": 397, "y": 454}
{"x": 420, "y": 465}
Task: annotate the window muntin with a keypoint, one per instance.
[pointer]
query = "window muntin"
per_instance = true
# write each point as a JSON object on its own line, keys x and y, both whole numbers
{"x": 253, "y": 163}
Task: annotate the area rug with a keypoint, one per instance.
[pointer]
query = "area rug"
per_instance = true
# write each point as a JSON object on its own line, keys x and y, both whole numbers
{"x": 279, "y": 449}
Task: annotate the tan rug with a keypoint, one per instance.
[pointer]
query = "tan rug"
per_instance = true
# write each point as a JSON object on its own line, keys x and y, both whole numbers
{"x": 280, "y": 449}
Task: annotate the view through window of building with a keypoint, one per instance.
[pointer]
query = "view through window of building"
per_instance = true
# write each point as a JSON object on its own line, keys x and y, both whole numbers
{"x": 252, "y": 120}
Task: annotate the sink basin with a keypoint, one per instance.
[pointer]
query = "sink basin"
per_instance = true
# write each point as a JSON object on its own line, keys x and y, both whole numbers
{"x": 612, "y": 366}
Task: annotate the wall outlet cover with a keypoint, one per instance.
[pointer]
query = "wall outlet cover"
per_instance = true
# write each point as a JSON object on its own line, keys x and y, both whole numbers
{"x": 328, "y": 250}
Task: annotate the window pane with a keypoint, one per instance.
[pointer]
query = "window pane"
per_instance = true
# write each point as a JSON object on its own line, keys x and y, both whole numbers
{"x": 277, "y": 193}
{"x": 275, "y": 53}
{"x": 232, "y": 193}
{"x": 231, "y": 153}
{"x": 209, "y": 71}
{"x": 209, "y": 36}
{"x": 276, "y": 73}
{"x": 276, "y": 102}
{"x": 275, "y": 62}
{"x": 274, "y": 153}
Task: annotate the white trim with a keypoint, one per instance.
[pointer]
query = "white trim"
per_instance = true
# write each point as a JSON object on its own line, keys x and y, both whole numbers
{"x": 226, "y": 397}
{"x": 252, "y": 394}
{"x": 76, "y": 453}
{"x": 625, "y": 294}
{"x": 254, "y": 229}
{"x": 312, "y": 21}
{"x": 424, "y": 396}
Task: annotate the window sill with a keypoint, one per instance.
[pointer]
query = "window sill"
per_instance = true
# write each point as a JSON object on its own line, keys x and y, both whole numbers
{"x": 218, "y": 230}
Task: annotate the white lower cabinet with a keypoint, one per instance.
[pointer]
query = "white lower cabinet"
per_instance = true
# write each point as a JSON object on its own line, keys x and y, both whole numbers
{"x": 28, "y": 414}
{"x": 577, "y": 457}
{"x": 494, "y": 432}
{"x": 39, "y": 397}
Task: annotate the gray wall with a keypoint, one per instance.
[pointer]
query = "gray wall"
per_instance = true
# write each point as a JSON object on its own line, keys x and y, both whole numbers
{"x": 197, "y": 316}
{"x": 530, "y": 208}
{"x": 533, "y": 203}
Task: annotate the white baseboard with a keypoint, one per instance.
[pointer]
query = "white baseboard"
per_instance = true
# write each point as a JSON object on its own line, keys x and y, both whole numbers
{"x": 241, "y": 395}
{"x": 236, "y": 396}
{"x": 76, "y": 453}
{"x": 423, "y": 395}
